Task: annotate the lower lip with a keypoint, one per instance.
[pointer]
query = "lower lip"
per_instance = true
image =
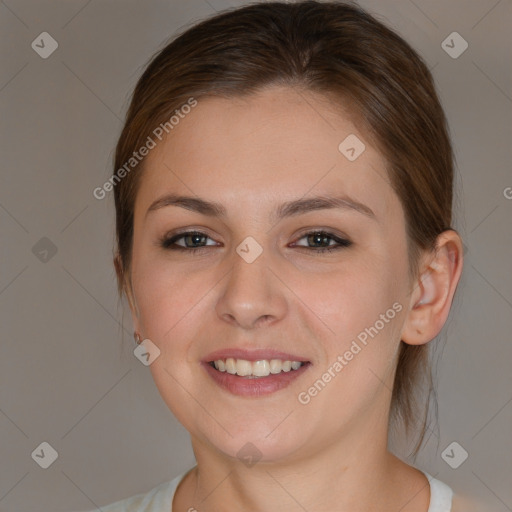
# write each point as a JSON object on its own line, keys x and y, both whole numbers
{"x": 243, "y": 386}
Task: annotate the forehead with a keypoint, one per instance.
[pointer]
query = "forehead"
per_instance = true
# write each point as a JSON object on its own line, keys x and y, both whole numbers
{"x": 276, "y": 145}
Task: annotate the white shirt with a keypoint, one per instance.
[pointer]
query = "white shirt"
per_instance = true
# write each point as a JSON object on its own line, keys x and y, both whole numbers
{"x": 159, "y": 499}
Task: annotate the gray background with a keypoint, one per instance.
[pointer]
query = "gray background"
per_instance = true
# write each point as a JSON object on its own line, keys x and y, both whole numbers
{"x": 67, "y": 372}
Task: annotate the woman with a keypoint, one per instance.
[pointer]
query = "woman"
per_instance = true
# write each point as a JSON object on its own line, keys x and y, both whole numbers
{"x": 283, "y": 190}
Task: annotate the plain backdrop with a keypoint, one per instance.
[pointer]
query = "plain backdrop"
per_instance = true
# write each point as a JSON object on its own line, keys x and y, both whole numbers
{"x": 68, "y": 376}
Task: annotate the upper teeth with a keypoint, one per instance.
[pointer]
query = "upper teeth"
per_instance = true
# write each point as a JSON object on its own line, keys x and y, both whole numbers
{"x": 261, "y": 368}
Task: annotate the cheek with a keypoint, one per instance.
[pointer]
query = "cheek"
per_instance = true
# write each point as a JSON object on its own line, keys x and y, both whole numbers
{"x": 358, "y": 313}
{"x": 350, "y": 300}
{"x": 166, "y": 299}
{"x": 358, "y": 350}
{"x": 172, "y": 305}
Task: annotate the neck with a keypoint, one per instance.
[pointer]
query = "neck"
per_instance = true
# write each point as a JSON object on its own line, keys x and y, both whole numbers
{"x": 357, "y": 473}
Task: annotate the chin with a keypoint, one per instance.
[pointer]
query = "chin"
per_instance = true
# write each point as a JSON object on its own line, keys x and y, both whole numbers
{"x": 255, "y": 445}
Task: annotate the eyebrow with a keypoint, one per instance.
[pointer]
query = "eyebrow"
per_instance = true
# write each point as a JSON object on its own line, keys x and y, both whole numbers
{"x": 288, "y": 209}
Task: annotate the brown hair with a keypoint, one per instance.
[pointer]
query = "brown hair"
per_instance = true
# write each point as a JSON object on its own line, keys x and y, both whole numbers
{"x": 343, "y": 53}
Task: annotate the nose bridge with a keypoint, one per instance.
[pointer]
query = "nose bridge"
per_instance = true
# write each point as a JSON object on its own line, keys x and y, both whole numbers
{"x": 251, "y": 293}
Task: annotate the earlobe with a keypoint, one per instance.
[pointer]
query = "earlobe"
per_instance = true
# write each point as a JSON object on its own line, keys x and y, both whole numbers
{"x": 434, "y": 290}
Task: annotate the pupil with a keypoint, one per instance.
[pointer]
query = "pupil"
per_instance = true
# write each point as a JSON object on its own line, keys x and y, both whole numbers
{"x": 195, "y": 238}
{"x": 318, "y": 238}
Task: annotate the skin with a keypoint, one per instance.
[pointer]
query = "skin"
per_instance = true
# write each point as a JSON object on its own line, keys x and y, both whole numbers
{"x": 250, "y": 155}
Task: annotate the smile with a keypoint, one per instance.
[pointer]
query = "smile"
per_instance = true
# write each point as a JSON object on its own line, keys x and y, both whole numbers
{"x": 255, "y": 369}
{"x": 254, "y": 378}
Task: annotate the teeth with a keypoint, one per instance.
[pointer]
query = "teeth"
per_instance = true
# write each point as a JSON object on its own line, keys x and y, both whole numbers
{"x": 261, "y": 368}
{"x": 243, "y": 367}
{"x": 230, "y": 365}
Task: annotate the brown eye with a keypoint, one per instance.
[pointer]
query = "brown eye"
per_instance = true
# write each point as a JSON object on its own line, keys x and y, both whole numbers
{"x": 324, "y": 237}
{"x": 191, "y": 238}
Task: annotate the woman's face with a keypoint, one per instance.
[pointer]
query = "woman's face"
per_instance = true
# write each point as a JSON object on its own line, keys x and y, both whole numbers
{"x": 259, "y": 281}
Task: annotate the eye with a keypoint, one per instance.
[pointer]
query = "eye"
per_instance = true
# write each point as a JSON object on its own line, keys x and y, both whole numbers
{"x": 194, "y": 241}
{"x": 324, "y": 237}
{"x": 190, "y": 237}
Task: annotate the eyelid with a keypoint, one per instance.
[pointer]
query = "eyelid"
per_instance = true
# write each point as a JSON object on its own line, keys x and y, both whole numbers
{"x": 334, "y": 233}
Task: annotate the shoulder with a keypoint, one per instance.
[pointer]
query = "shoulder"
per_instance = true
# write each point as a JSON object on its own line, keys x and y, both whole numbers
{"x": 443, "y": 499}
{"x": 441, "y": 495}
{"x": 155, "y": 500}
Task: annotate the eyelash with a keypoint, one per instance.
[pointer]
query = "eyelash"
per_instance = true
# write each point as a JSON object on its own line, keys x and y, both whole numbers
{"x": 169, "y": 243}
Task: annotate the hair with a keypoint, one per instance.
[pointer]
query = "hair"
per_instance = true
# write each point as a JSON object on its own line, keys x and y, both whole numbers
{"x": 345, "y": 55}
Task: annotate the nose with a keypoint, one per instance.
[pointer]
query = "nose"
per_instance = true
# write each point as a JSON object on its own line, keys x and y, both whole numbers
{"x": 252, "y": 295}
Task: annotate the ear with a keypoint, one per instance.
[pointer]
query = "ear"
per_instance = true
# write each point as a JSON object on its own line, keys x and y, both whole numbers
{"x": 433, "y": 290}
{"x": 126, "y": 286}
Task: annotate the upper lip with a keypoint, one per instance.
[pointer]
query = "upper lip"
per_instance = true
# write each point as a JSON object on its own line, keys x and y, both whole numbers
{"x": 252, "y": 355}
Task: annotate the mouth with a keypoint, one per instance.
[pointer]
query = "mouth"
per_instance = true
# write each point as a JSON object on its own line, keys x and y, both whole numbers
{"x": 254, "y": 378}
{"x": 256, "y": 369}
